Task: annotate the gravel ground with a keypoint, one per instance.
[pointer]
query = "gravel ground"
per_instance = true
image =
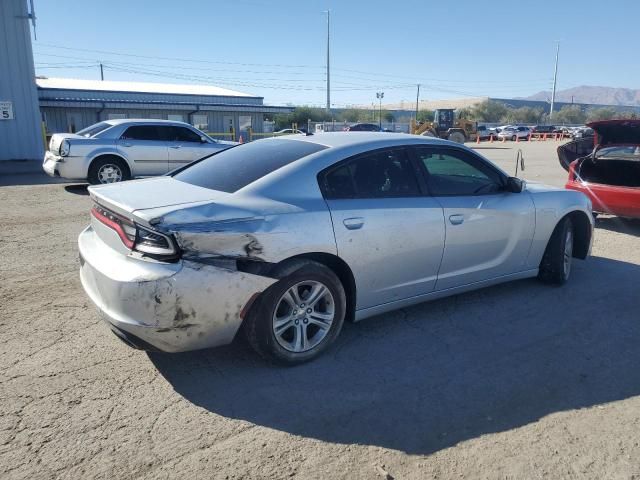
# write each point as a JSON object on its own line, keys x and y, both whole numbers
{"x": 516, "y": 381}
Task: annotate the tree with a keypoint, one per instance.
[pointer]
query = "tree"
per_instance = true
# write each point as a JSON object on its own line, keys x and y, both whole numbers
{"x": 489, "y": 111}
{"x": 425, "y": 116}
{"x": 570, "y": 114}
{"x": 465, "y": 113}
{"x": 353, "y": 115}
{"x": 300, "y": 115}
{"x": 604, "y": 113}
{"x": 523, "y": 115}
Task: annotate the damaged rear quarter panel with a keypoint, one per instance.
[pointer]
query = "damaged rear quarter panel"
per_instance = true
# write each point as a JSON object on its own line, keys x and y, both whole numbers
{"x": 270, "y": 238}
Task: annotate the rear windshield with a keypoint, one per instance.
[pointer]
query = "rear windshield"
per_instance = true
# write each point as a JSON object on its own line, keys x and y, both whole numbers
{"x": 237, "y": 167}
{"x": 94, "y": 129}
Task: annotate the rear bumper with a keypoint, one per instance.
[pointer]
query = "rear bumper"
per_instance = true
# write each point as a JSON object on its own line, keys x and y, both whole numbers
{"x": 620, "y": 201}
{"x": 72, "y": 168}
{"x": 171, "y": 307}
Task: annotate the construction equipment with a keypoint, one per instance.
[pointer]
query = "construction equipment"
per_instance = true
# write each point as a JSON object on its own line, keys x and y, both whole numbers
{"x": 446, "y": 125}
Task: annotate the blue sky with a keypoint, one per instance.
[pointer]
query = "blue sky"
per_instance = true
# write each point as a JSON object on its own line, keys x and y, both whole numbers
{"x": 276, "y": 49}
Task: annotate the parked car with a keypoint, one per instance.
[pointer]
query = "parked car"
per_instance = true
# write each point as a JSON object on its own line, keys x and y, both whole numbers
{"x": 289, "y": 131}
{"x": 583, "y": 132}
{"x": 305, "y": 232}
{"x": 364, "y": 127}
{"x": 117, "y": 150}
{"x": 511, "y": 133}
{"x": 609, "y": 172}
{"x": 542, "y": 129}
{"x": 483, "y": 132}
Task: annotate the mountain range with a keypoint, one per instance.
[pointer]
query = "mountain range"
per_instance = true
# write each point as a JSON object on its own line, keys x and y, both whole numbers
{"x": 592, "y": 94}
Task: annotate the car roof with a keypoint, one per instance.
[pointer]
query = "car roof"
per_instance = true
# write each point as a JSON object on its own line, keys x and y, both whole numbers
{"x": 143, "y": 121}
{"x": 347, "y": 139}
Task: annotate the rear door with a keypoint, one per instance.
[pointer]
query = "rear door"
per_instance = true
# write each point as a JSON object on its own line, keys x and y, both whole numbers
{"x": 488, "y": 229}
{"x": 146, "y": 149}
{"x": 185, "y": 146}
{"x": 386, "y": 229}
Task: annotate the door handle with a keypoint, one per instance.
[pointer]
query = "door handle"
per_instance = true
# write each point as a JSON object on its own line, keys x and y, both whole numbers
{"x": 353, "y": 223}
{"x": 175, "y": 146}
{"x": 456, "y": 219}
{"x": 126, "y": 145}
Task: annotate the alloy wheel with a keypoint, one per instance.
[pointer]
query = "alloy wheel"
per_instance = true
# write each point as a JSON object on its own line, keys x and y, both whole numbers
{"x": 110, "y": 173}
{"x": 303, "y": 316}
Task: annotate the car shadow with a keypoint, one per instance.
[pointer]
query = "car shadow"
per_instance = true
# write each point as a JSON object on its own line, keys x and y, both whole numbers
{"x": 79, "y": 189}
{"x": 28, "y": 178}
{"x": 428, "y": 377}
{"x": 620, "y": 225}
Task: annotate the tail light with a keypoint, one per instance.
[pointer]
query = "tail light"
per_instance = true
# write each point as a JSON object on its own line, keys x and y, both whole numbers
{"x": 136, "y": 237}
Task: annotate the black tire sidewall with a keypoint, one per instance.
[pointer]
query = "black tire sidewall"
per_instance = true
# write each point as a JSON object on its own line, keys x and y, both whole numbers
{"x": 552, "y": 265}
{"x": 259, "y": 324}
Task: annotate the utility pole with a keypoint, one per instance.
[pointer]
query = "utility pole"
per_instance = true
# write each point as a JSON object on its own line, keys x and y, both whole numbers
{"x": 555, "y": 80}
{"x": 417, "y": 103}
{"x": 380, "y": 96}
{"x": 328, "y": 12}
{"x": 101, "y": 72}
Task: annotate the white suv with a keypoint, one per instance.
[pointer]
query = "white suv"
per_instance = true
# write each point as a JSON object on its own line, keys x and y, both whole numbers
{"x": 117, "y": 150}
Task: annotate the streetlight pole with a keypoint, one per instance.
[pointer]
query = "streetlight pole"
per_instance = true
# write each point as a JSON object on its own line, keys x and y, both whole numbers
{"x": 555, "y": 79}
{"x": 328, "y": 12}
{"x": 380, "y": 96}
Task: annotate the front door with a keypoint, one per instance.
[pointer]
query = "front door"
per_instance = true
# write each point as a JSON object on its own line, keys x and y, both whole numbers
{"x": 185, "y": 146}
{"x": 389, "y": 233}
{"x": 488, "y": 229}
{"x": 146, "y": 149}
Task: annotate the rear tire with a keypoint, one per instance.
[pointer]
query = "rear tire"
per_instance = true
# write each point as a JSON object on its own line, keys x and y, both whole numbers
{"x": 300, "y": 316}
{"x": 513, "y": 139}
{"x": 555, "y": 267}
{"x": 108, "y": 169}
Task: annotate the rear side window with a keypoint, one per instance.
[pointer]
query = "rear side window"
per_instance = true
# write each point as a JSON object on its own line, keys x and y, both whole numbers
{"x": 142, "y": 132}
{"x": 94, "y": 129}
{"x": 382, "y": 174}
{"x": 237, "y": 167}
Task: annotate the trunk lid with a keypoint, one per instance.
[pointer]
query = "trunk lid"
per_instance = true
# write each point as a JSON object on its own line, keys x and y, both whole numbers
{"x": 616, "y": 132}
{"x": 57, "y": 138}
{"x": 153, "y": 193}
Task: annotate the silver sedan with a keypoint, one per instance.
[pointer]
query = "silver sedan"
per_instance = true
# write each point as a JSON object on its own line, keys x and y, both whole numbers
{"x": 288, "y": 237}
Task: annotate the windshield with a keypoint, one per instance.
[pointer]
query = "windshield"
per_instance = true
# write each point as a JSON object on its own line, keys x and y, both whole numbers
{"x": 95, "y": 129}
{"x": 632, "y": 152}
{"x": 237, "y": 167}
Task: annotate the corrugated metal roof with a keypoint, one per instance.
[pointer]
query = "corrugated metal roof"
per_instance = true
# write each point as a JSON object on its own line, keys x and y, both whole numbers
{"x": 135, "y": 87}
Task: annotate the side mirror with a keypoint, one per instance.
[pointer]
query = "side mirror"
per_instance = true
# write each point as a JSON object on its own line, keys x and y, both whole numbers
{"x": 204, "y": 139}
{"x": 515, "y": 185}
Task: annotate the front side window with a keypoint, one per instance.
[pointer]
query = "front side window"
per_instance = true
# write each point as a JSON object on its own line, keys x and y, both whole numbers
{"x": 182, "y": 134}
{"x": 142, "y": 132}
{"x": 455, "y": 172}
{"x": 381, "y": 174}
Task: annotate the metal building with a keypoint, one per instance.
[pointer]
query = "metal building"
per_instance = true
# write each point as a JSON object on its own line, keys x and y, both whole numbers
{"x": 68, "y": 105}
{"x": 20, "y": 130}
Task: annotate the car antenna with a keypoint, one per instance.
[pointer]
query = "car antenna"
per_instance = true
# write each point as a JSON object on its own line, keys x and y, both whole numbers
{"x": 519, "y": 161}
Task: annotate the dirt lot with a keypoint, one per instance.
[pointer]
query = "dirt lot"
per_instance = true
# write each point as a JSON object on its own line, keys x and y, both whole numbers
{"x": 516, "y": 381}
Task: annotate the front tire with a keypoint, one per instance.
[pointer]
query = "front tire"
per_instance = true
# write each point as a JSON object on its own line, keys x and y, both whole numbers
{"x": 300, "y": 316}
{"x": 555, "y": 267}
{"x": 457, "y": 137}
{"x": 108, "y": 169}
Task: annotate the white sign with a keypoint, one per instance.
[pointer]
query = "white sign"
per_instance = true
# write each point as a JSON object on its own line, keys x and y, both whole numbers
{"x": 6, "y": 111}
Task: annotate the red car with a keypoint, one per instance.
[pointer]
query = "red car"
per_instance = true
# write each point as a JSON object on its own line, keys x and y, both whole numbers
{"x": 606, "y": 167}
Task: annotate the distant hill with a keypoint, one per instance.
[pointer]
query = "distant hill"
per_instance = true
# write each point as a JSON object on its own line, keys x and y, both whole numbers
{"x": 594, "y": 95}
